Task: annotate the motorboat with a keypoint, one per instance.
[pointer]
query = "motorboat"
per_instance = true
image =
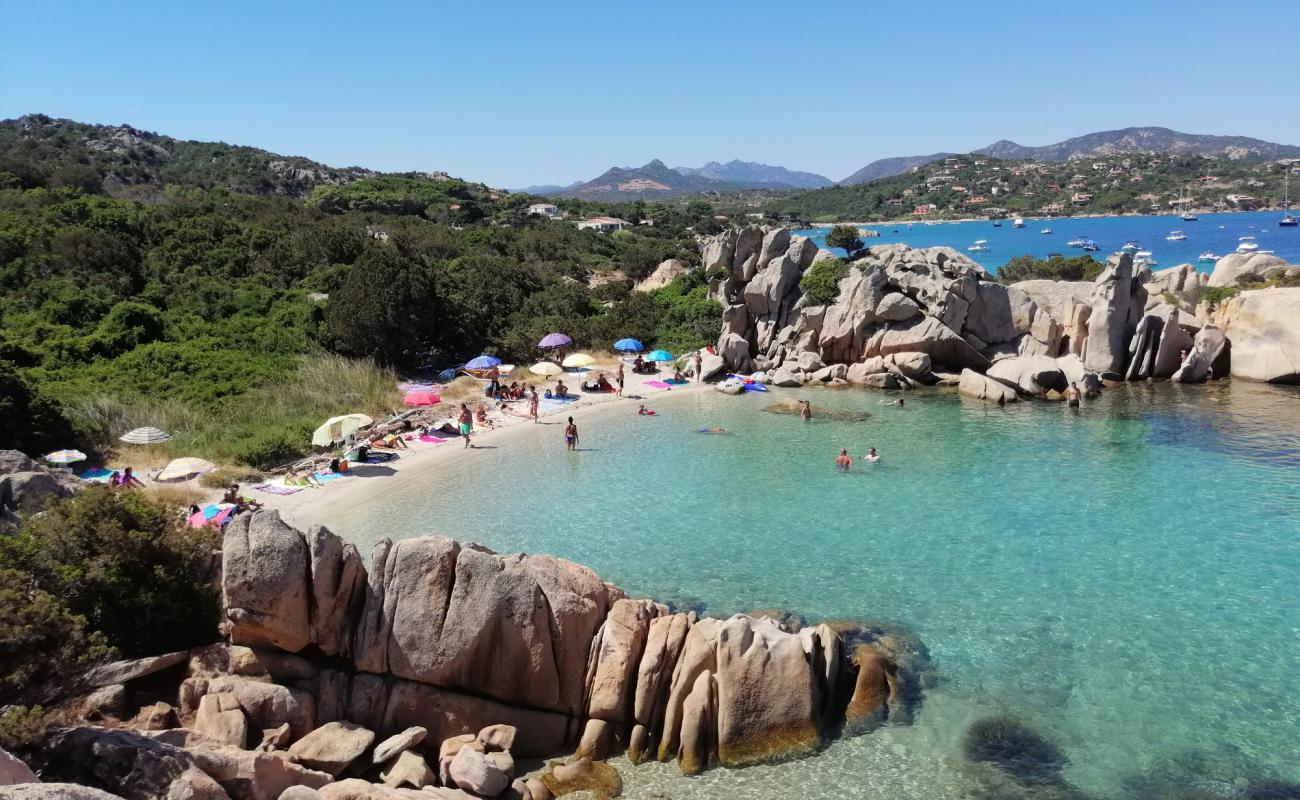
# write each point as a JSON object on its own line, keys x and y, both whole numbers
{"x": 1288, "y": 221}
{"x": 1176, "y": 236}
{"x": 1045, "y": 231}
{"x": 1130, "y": 247}
{"x": 1247, "y": 244}
{"x": 1080, "y": 242}
{"x": 1144, "y": 258}
{"x": 997, "y": 223}
{"x": 980, "y": 246}
{"x": 1090, "y": 246}
{"x": 1207, "y": 257}
{"x": 1018, "y": 222}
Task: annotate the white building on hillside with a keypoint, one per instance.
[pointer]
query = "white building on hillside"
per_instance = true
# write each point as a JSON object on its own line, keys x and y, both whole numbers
{"x": 606, "y": 224}
{"x": 546, "y": 210}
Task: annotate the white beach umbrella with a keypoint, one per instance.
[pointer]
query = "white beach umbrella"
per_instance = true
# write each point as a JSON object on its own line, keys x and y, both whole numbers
{"x": 145, "y": 436}
{"x": 578, "y": 360}
{"x": 184, "y": 469}
{"x": 546, "y": 368}
{"x": 337, "y": 429}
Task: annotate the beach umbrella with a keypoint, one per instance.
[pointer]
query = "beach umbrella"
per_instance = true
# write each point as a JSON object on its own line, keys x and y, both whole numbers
{"x": 65, "y": 456}
{"x": 483, "y": 362}
{"x": 659, "y": 355}
{"x": 553, "y": 340}
{"x": 578, "y": 360}
{"x": 421, "y": 399}
{"x": 336, "y": 429}
{"x": 184, "y": 469}
{"x": 145, "y": 436}
{"x": 629, "y": 345}
{"x": 545, "y": 368}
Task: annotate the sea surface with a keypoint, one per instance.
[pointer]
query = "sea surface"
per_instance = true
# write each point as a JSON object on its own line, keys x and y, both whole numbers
{"x": 1214, "y": 233}
{"x": 1125, "y": 580}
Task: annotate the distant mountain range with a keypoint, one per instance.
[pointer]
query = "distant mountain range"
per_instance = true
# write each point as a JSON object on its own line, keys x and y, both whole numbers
{"x": 657, "y": 180}
{"x": 1104, "y": 143}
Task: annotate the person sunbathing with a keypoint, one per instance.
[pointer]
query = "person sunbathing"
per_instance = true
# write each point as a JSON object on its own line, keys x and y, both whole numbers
{"x": 561, "y": 391}
{"x": 293, "y": 477}
{"x": 481, "y": 418}
{"x": 677, "y": 376}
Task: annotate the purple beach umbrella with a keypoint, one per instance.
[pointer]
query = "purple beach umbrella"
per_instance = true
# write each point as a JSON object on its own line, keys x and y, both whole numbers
{"x": 554, "y": 340}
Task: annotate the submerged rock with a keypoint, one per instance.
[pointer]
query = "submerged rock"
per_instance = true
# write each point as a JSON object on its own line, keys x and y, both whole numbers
{"x": 1014, "y": 748}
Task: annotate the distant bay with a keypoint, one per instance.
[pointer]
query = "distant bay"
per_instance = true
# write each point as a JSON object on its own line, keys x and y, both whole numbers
{"x": 1215, "y": 233}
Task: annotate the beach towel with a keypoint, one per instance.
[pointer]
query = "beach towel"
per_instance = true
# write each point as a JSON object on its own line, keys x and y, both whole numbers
{"x": 98, "y": 474}
{"x": 272, "y": 489}
{"x": 433, "y": 439}
{"x": 658, "y": 384}
{"x": 326, "y": 475}
{"x": 675, "y": 382}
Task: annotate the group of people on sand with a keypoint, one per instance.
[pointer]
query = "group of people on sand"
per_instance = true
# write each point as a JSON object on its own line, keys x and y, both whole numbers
{"x": 125, "y": 479}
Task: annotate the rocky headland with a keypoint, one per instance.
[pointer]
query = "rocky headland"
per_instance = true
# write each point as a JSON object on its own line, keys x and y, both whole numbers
{"x": 450, "y": 669}
{"x": 906, "y": 316}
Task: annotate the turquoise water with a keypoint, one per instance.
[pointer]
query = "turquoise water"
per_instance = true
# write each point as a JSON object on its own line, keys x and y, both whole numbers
{"x": 1217, "y": 233}
{"x": 1126, "y": 580}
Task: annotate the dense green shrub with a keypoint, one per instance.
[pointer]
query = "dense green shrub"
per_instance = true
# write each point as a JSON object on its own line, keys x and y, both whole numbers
{"x": 821, "y": 283}
{"x": 127, "y": 564}
{"x": 1215, "y": 295}
{"x": 1056, "y": 268}
{"x": 43, "y": 645}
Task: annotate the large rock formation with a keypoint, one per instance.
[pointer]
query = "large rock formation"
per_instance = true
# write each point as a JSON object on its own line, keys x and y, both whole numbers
{"x": 1264, "y": 328}
{"x": 449, "y": 638}
{"x": 1118, "y": 301}
{"x": 1239, "y": 268}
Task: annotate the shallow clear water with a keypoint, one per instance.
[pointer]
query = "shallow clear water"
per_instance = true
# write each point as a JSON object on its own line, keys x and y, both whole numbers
{"x": 1217, "y": 233}
{"x": 1125, "y": 580}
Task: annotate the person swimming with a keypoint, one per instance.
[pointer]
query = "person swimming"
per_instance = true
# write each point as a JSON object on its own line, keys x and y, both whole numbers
{"x": 712, "y": 430}
{"x": 805, "y": 410}
{"x": 872, "y": 456}
{"x": 844, "y": 462}
{"x": 1072, "y": 396}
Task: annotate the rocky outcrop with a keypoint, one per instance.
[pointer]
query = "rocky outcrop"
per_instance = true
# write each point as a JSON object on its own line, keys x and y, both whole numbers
{"x": 1031, "y": 375}
{"x": 982, "y": 387}
{"x": 129, "y": 765}
{"x": 664, "y": 274}
{"x": 1182, "y": 278}
{"x": 1118, "y": 302}
{"x": 26, "y": 486}
{"x": 1264, "y": 328}
{"x": 14, "y": 770}
{"x": 1245, "y": 268}
{"x": 444, "y": 639}
{"x": 1207, "y": 358}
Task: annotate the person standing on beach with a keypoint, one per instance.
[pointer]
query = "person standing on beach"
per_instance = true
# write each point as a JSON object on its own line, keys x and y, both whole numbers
{"x": 466, "y": 423}
{"x": 699, "y": 369}
{"x": 571, "y": 435}
{"x": 494, "y": 380}
{"x": 620, "y": 380}
{"x": 805, "y": 410}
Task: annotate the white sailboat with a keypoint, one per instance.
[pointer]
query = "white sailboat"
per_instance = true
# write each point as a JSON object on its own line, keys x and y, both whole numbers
{"x": 1288, "y": 220}
{"x": 1018, "y": 222}
{"x": 1186, "y": 204}
{"x": 1247, "y": 244}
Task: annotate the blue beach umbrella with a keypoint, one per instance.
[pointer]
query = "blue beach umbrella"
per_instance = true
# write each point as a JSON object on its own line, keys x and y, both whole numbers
{"x": 659, "y": 355}
{"x": 483, "y": 362}
{"x": 629, "y": 345}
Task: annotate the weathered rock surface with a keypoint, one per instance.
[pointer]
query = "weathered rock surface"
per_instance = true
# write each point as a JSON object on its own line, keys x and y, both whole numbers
{"x": 1182, "y": 278}
{"x": 1208, "y": 347}
{"x": 14, "y": 770}
{"x": 126, "y": 764}
{"x": 399, "y": 743}
{"x": 982, "y": 387}
{"x": 476, "y": 773}
{"x": 1264, "y": 329}
{"x": 1118, "y": 304}
{"x": 1031, "y": 375}
{"x": 332, "y": 747}
{"x": 54, "y": 791}
{"x": 220, "y": 718}
{"x": 26, "y": 486}
{"x": 249, "y": 775}
{"x": 124, "y": 671}
{"x": 269, "y": 705}
{"x": 411, "y": 770}
{"x": 1242, "y": 268}
{"x": 664, "y": 274}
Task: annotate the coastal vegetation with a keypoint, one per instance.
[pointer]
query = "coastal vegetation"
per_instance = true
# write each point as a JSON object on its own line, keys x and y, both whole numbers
{"x": 821, "y": 283}
{"x": 846, "y": 238}
{"x": 1054, "y": 268}
{"x": 970, "y": 185}
{"x": 145, "y": 280}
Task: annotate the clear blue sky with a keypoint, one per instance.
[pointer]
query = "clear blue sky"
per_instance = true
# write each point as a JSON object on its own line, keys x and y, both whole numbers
{"x": 521, "y": 93}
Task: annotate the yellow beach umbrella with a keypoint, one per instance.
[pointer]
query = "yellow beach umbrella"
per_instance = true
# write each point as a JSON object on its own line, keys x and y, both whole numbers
{"x": 578, "y": 360}
{"x": 337, "y": 429}
{"x": 184, "y": 469}
{"x": 546, "y": 368}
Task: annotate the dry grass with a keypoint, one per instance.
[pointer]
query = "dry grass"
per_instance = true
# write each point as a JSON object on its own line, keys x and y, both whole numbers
{"x": 180, "y": 495}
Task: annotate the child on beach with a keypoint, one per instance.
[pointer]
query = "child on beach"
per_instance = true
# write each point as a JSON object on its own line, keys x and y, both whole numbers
{"x": 571, "y": 435}
{"x": 466, "y": 421}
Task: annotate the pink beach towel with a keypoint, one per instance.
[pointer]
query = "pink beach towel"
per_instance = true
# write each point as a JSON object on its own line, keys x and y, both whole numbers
{"x": 434, "y": 439}
{"x": 658, "y": 384}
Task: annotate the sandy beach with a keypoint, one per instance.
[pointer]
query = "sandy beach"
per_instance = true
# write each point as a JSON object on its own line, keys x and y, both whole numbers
{"x": 371, "y": 482}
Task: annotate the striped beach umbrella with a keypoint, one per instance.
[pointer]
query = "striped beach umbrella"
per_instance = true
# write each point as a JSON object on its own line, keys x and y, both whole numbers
{"x": 145, "y": 435}
{"x": 65, "y": 456}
